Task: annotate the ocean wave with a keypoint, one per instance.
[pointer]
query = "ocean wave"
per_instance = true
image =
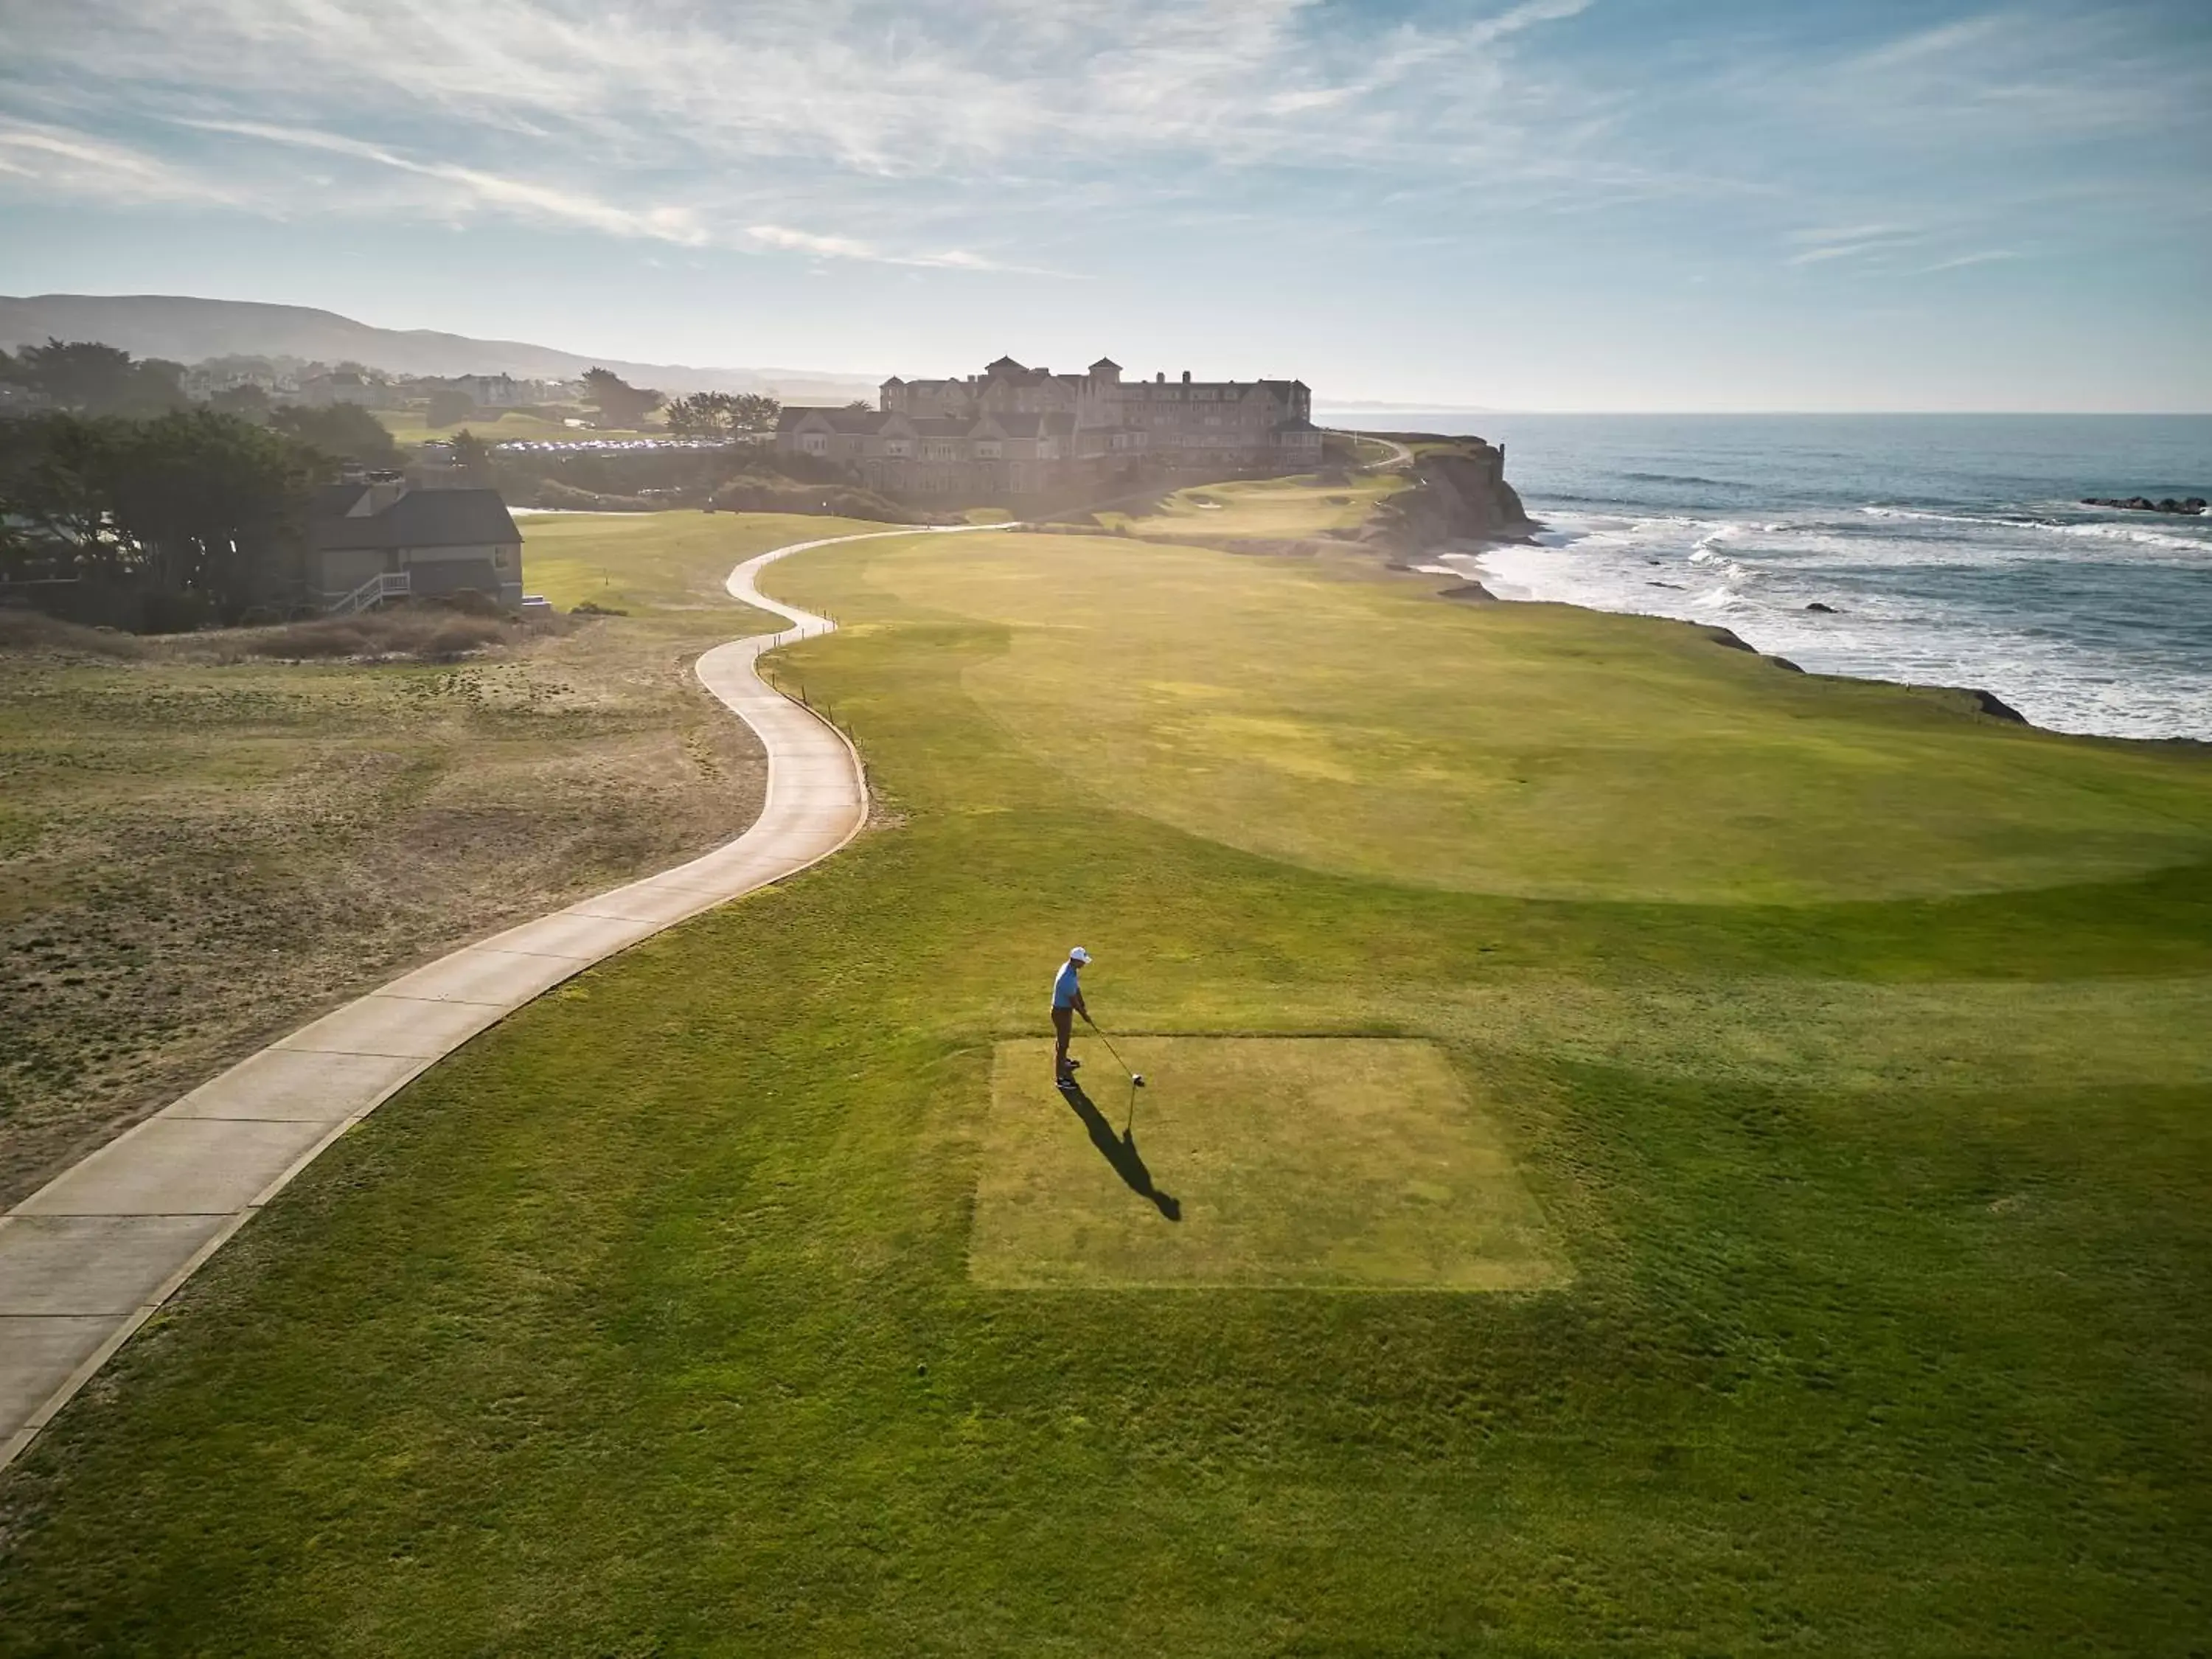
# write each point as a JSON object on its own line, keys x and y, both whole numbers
{"x": 2131, "y": 678}
{"x": 1683, "y": 477}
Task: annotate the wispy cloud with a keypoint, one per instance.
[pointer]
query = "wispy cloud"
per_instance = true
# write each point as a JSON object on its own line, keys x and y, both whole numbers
{"x": 81, "y": 166}
{"x": 785, "y": 239}
{"x": 1818, "y": 245}
{"x": 476, "y": 188}
{"x": 1988, "y": 256}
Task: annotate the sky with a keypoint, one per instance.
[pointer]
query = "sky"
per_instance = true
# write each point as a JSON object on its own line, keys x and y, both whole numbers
{"x": 1553, "y": 204}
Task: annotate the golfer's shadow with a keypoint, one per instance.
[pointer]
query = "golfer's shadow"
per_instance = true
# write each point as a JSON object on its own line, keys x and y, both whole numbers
{"x": 1120, "y": 1151}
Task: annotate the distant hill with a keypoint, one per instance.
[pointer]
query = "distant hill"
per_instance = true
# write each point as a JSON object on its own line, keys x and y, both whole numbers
{"x": 187, "y": 330}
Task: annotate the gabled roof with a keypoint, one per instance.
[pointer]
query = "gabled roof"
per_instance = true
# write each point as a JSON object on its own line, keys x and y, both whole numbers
{"x": 421, "y": 518}
{"x": 1105, "y": 362}
{"x": 848, "y": 421}
{"x": 1005, "y": 365}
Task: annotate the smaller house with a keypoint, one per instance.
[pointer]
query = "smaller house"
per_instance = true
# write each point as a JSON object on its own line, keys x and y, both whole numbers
{"x": 371, "y": 538}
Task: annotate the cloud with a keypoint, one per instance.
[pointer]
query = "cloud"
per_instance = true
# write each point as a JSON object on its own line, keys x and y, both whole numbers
{"x": 1988, "y": 256}
{"x": 893, "y": 87}
{"x": 1821, "y": 243}
{"x": 846, "y": 247}
{"x": 79, "y": 165}
{"x": 475, "y": 188}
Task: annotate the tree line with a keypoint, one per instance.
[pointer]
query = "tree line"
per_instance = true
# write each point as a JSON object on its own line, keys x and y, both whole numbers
{"x": 126, "y": 497}
{"x": 702, "y": 414}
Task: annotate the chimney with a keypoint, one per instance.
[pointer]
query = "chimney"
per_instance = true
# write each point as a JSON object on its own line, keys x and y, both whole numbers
{"x": 1186, "y": 377}
{"x": 1160, "y": 379}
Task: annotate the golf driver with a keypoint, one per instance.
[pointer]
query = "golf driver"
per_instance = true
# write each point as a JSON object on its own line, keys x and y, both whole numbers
{"x": 1136, "y": 1078}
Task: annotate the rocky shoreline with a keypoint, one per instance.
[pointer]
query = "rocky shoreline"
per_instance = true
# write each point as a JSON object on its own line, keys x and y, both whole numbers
{"x": 2186, "y": 506}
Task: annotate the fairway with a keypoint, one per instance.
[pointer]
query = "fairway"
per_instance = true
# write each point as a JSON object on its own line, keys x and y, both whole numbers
{"x": 1262, "y": 508}
{"x": 1324, "y": 712}
{"x": 1645, "y": 1153}
{"x": 1312, "y": 1164}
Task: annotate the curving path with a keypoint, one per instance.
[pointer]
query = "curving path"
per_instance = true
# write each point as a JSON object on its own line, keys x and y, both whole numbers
{"x": 85, "y": 1259}
{"x": 1399, "y": 456}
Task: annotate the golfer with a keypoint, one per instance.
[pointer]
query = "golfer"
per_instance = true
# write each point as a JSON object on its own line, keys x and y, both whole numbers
{"x": 1066, "y": 1003}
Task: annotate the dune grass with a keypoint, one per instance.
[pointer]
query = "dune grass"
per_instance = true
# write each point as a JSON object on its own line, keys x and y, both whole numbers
{"x": 646, "y": 1323}
{"x": 203, "y": 845}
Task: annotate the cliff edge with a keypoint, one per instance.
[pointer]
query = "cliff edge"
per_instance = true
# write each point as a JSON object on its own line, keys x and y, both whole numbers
{"x": 1459, "y": 494}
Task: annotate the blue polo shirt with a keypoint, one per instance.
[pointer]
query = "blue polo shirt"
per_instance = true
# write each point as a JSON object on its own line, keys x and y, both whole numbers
{"x": 1065, "y": 987}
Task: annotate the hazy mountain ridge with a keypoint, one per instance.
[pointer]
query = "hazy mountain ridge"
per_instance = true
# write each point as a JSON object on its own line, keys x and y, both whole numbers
{"x": 188, "y": 329}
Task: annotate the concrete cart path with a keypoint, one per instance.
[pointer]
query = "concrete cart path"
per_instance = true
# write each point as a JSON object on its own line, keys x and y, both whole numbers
{"x": 85, "y": 1259}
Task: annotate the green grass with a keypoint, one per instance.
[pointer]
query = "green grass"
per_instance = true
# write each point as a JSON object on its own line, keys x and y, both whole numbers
{"x": 1329, "y": 715}
{"x": 1262, "y": 508}
{"x": 1297, "y": 1163}
{"x": 645, "y": 1324}
{"x": 666, "y": 568}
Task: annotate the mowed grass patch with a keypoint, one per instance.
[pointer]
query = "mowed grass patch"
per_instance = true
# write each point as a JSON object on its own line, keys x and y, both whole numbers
{"x": 1330, "y": 715}
{"x": 1313, "y": 1164}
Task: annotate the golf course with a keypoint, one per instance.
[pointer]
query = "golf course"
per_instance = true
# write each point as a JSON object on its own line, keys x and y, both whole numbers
{"x": 1641, "y": 1152}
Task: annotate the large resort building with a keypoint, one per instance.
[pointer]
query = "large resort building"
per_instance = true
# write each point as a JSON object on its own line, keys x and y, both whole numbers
{"x": 1013, "y": 431}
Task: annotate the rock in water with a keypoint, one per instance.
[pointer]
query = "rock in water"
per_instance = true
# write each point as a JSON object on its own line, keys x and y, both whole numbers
{"x": 2190, "y": 506}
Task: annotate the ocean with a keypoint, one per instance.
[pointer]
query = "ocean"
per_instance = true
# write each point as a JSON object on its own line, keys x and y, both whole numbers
{"x": 1950, "y": 549}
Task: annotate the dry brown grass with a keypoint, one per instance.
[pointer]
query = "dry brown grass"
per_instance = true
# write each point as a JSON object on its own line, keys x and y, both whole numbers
{"x": 206, "y": 839}
{"x": 29, "y": 631}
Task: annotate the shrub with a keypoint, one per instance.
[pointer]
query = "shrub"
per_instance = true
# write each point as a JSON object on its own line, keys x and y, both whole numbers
{"x": 551, "y": 492}
{"x": 424, "y": 633}
{"x": 770, "y": 492}
{"x": 32, "y": 631}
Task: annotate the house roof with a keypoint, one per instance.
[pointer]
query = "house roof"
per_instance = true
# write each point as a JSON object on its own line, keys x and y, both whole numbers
{"x": 421, "y": 518}
{"x": 861, "y": 420}
{"x": 1106, "y": 362}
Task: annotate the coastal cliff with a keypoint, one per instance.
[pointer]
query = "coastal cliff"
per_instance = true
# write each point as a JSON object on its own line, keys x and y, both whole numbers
{"x": 1459, "y": 494}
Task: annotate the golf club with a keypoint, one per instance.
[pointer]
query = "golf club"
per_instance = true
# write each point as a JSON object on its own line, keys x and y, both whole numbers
{"x": 1136, "y": 1078}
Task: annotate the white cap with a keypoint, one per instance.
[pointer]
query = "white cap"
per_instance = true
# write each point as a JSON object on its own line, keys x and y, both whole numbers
{"x": 1079, "y": 954}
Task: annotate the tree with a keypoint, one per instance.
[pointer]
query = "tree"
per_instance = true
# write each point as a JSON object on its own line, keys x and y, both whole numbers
{"x": 345, "y": 432}
{"x": 861, "y": 404}
{"x": 756, "y": 411}
{"x": 213, "y": 505}
{"x": 88, "y": 377}
{"x": 619, "y": 404}
{"x": 470, "y": 452}
{"x": 186, "y": 502}
{"x": 722, "y": 414}
{"x": 449, "y": 404}
{"x": 248, "y": 402}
